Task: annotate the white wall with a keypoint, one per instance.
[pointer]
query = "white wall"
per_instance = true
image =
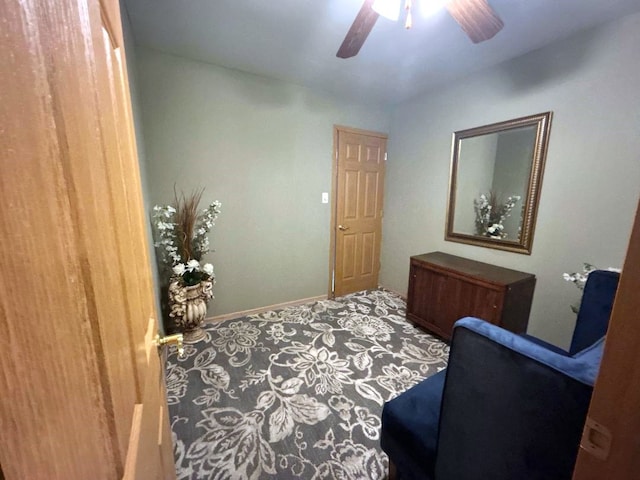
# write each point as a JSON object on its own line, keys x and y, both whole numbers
{"x": 264, "y": 149}
{"x": 591, "y": 181}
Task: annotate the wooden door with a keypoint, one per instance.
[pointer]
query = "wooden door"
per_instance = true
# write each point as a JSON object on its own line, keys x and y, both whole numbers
{"x": 358, "y": 197}
{"x": 77, "y": 313}
{"x": 616, "y": 396}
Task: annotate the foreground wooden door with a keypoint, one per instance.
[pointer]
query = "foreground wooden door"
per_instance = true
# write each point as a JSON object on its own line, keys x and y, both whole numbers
{"x": 359, "y": 188}
{"x": 612, "y": 451}
{"x": 77, "y": 312}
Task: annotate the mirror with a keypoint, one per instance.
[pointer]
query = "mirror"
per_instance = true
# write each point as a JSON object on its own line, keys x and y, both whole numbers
{"x": 496, "y": 174}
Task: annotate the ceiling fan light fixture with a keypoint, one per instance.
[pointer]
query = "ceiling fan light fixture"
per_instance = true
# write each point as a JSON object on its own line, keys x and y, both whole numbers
{"x": 387, "y": 8}
{"x": 476, "y": 17}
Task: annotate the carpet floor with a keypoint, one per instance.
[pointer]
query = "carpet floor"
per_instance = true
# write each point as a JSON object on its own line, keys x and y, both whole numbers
{"x": 297, "y": 392}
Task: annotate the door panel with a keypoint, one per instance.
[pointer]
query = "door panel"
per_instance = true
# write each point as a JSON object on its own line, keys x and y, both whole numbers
{"x": 370, "y": 201}
{"x": 348, "y": 253}
{"x": 350, "y": 211}
{"x": 151, "y": 422}
{"x": 119, "y": 196}
{"x": 358, "y": 210}
{"x": 368, "y": 260}
{"x": 75, "y": 289}
{"x": 145, "y": 449}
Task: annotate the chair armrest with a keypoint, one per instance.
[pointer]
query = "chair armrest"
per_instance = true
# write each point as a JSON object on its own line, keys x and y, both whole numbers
{"x": 511, "y": 408}
{"x": 547, "y": 345}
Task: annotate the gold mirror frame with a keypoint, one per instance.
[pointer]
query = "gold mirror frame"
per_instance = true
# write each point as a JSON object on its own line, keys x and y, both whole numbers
{"x": 529, "y": 204}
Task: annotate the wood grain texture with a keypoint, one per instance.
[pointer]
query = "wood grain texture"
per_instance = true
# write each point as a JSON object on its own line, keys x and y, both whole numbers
{"x": 53, "y": 409}
{"x": 476, "y": 17}
{"x": 444, "y": 288}
{"x": 84, "y": 114}
{"x": 75, "y": 292}
{"x": 616, "y": 395}
{"x": 120, "y": 169}
{"x": 154, "y": 454}
{"x": 145, "y": 459}
{"x": 125, "y": 178}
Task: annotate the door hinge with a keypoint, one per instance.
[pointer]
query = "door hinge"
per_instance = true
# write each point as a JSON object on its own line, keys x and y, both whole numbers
{"x": 385, "y": 156}
{"x": 333, "y": 283}
{"x": 596, "y": 439}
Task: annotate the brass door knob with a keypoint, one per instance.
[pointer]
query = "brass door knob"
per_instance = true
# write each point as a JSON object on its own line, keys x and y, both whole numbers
{"x": 342, "y": 228}
{"x": 176, "y": 340}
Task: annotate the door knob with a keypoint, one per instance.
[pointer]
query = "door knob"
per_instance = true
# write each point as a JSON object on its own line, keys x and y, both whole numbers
{"x": 342, "y": 228}
{"x": 176, "y": 340}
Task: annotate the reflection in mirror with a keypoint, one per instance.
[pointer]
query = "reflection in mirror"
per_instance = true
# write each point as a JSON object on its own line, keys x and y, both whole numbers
{"x": 496, "y": 171}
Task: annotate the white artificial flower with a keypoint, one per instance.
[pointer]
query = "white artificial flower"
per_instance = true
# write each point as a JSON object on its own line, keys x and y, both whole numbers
{"x": 207, "y": 268}
{"x": 179, "y": 269}
{"x": 193, "y": 265}
{"x": 165, "y": 226}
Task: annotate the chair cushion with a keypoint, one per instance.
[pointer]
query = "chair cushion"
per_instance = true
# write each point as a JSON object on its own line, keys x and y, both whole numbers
{"x": 410, "y": 428}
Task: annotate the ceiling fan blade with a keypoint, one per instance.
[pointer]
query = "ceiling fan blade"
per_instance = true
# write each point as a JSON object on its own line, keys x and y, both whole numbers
{"x": 359, "y": 31}
{"x": 476, "y": 17}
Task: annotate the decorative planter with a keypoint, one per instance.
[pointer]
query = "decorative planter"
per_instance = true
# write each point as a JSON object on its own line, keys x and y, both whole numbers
{"x": 188, "y": 307}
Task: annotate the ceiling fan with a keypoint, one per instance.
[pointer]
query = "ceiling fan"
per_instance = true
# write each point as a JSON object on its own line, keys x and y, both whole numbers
{"x": 476, "y": 17}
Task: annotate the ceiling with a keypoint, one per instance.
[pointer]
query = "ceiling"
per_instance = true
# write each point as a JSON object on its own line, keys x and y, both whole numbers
{"x": 297, "y": 40}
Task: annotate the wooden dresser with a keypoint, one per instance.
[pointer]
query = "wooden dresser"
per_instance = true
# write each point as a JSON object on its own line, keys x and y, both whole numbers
{"x": 444, "y": 288}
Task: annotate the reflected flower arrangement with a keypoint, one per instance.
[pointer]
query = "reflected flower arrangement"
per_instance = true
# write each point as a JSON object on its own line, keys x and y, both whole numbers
{"x": 491, "y": 212}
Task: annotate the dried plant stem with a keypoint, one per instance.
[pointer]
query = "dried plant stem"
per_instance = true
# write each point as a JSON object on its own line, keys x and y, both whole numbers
{"x": 495, "y": 200}
{"x": 186, "y": 217}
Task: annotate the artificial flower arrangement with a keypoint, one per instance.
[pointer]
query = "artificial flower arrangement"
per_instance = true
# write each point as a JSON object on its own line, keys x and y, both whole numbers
{"x": 182, "y": 237}
{"x": 182, "y": 241}
{"x": 579, "y": 279}
{"x": 491, "y": 212}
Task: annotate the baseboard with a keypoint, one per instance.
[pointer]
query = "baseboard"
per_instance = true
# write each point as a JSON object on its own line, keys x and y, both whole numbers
{"x": 254, "y": 311}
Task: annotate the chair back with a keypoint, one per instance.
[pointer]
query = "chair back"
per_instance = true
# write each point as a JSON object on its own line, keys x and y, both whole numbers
{"x": 595, "y": 309}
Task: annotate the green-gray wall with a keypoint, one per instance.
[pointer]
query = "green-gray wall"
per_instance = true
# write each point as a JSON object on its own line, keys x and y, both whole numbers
{"x": 263, "y": 148}
{"x": 591, "y": 181}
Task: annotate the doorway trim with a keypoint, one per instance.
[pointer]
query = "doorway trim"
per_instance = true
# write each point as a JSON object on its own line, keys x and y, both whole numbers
{"x": 334, "y": 194}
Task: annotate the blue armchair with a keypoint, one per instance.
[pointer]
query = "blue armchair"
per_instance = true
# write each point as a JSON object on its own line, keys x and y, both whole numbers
{"x": 507, "y": 407}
